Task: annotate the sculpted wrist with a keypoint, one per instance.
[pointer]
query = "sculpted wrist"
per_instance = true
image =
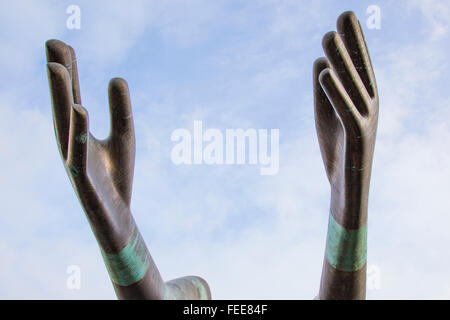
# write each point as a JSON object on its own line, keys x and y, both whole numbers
{"x": 130, "y": 264}
{"x": 346, "y": 249}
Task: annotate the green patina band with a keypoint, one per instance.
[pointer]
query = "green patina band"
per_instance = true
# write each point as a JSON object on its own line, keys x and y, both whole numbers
{"x": 130, "y": 264}
{"x": 82, "y": 138}
{"x": 346, "y": 248}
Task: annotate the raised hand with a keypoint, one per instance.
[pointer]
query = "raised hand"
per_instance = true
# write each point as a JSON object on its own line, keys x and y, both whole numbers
{"x": 101, "y": 172}
{"x": 346, "y": 113}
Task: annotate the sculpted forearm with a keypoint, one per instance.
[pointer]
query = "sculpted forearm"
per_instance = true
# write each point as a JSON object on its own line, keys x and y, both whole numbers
{"x": 344, "y": 268}
{"x": 131, "y": 267}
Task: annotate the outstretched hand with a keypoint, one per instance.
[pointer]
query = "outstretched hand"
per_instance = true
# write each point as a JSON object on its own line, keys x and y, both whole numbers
{"x": 346, "y": 113}
{"x": 101, "y": 172}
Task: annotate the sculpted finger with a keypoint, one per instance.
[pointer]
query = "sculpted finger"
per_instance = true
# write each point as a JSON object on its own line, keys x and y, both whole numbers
{"x": 75, "y": 80}
{"x": 78, "y": 141}
{"x": 122, "y": 138}
{"x": 351, "y": 33}
{"x": 341, "y": 101}
{"x": 328, "y": 125}
{"x": 61, "y": 99}
{"x": 322, "y": 106}
{"x": 345, "y": 69}
{"x": 57, "y": 51}
{"x": 120, "y": 108}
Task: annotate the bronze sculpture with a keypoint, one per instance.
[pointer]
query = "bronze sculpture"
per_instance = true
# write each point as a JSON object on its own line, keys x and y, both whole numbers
{"x": 346, "y": 113}
{"x": 101, "y": 171}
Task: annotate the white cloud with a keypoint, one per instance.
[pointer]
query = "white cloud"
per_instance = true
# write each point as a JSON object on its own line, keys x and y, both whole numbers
{"x": 437, "y": 14}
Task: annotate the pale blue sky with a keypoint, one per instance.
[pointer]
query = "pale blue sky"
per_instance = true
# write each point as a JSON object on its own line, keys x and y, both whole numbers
{"x": 231, "y": 64}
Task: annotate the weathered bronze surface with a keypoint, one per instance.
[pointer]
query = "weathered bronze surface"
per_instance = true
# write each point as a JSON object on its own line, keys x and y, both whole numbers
{"x": 346, "y": 115}
{"x": 101, "y": 172}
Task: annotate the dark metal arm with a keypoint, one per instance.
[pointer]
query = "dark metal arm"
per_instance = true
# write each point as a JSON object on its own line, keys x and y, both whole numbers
{"x": 346, "y": 113}
{"x": 101, "y": 172}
